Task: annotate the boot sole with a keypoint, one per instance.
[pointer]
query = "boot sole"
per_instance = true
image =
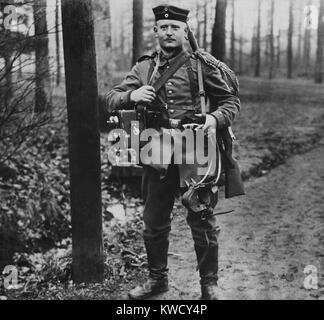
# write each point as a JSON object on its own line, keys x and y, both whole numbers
{"x": 149, "y": 295}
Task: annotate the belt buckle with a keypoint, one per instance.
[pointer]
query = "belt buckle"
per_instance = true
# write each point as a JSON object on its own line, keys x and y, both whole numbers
{"x": 175, "y": 123}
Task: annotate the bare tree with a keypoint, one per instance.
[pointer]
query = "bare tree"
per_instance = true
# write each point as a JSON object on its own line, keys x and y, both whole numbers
{"x": 307, "y": 46}
{"x": 57, "y": 39}
{"x": 253, "y": 49}
{"x": 205, "y": 24}
{"x": 258, "y": 44}
{"x": 290, "y": 41}
{"x": 300, "y": 36}
{"x": 42, "y": 70}
{"x": 198, "y": 22}
{"x": 241, "y": 42}
{"x": 137, "y": 29}
{"x": 320, "y": 45}
{"x": 219, "y": 31}
{"x": 271, "y": 41}
{"x": 232, "y": 63}
{"x": 103, "y": 40}
{"x": 84, "y": 140}
{"x": 278, "y": 48}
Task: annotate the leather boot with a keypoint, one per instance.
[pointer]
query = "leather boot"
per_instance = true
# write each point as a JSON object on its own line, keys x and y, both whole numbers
{"x": 149, "y": 288}
{"x": 209, "y": 292}
{"x": 157, "y": 258}
{"x": 207, "y": 257}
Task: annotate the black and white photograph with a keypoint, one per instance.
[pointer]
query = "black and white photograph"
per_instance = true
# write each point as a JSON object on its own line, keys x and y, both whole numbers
{"x": 161, "y": 151}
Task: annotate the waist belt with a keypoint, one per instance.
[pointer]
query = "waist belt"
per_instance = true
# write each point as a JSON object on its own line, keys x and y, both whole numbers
{"x": 173, "y": 107}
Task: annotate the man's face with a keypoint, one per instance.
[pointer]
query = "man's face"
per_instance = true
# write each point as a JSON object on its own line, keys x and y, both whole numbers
{"x": 171, "y": 34}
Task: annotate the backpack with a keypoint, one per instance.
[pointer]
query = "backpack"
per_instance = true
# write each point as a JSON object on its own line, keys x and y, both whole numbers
{"x": 227, "y": 73}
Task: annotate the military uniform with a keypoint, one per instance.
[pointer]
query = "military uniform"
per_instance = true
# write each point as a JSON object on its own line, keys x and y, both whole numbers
{"x": 180, "y": 95}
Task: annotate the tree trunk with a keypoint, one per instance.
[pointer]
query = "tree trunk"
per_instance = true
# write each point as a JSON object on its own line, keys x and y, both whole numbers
{"x": 219, "y": 31}
{"x": 307, "y": 47}
{"x": 19, "y": 58}
{"x": 320, "y": 45}
{"x": 137, "y": 29}
{"x": 241, "y": 55}
{"x": 253, "y": 50}
{"x": 271, "y": 42}
{"x": 205, "y": 25}
{"x": 198, "y": 23}
{"x": 57, "y": 39}
{"x": 8, "y": 77}
{"x": 42, "y": 70}
{"x": 257, "y": 70}
{"x": 233, "y": 37}
{"x": 84, "y": 140}
{"x": 103, "y": 39}
{"x": 290, "y": 41}
{"x": 299, "y": 46}
{"x": 278, "y": 49}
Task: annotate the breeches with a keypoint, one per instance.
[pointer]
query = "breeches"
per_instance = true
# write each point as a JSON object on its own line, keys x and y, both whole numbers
{"x": 159, "y": 196}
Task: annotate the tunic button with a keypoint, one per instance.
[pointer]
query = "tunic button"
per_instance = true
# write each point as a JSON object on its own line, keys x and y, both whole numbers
{"x": 169, "y": 83}
{"x": 170, "y": 91}
{"x": 172, "y": 101}
{"x": 171, "y": 111}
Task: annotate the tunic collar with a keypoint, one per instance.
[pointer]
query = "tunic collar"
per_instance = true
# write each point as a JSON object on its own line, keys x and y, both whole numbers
{"x": 164, "y": 60}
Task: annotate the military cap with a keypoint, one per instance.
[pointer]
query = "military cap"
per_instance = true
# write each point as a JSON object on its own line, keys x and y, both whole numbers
{"x": 166, "y": 12}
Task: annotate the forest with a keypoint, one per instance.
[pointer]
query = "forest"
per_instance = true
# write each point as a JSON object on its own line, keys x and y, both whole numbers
{"x": 46, "y": 87}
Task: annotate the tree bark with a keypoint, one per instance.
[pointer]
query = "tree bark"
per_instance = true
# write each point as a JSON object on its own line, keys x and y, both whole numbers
{"x": 257, "y": 70}
{"x": 198, "y": 22}
{"x": 137, "y": 29}
{"x": 103, "y": 40}
{"x": 271, "y": 42}
{"x": 300, "y": 37}
{"x": 219, "y": 32}
{"x": 8, "y": 77}
{"x": 278, "y": 49}
{"x": 233, "y": 37}
{"x": 84, "y": 140}
{"x": 42, "y": 70}
{"x": 307, "y": 47}
{"x": 205, "y": 25}
{"x": 320, "y": 45}
{"x": 241, "y": 55}
{"x": 253, "y": 50}
{"x": 290, "y": 41}
{"x": 57, "y": 39}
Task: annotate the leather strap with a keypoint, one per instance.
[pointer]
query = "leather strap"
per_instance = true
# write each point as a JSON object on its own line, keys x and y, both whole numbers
{"x": 191, "y": 77}
{"x": 177, "y": 64}
{"x": 202, "y": 93}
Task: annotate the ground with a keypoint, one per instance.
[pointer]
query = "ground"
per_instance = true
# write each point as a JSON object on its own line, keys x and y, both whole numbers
{"x": 276, "y": 229}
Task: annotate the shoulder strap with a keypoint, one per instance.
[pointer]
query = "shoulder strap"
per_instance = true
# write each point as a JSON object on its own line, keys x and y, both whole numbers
{"x": 202, "y": 93}
{"x": 193, "y": 87}
{"x": 177, "y": 64}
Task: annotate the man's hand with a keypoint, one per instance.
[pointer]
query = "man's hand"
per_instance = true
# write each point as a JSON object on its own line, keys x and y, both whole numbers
{"x": 143, "y": 94}
{"x": 210, "y": 126}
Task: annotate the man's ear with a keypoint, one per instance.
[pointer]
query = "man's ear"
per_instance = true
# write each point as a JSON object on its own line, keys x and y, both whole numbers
{"x": 186, "y": 33}
{"x": 155, "y": 29}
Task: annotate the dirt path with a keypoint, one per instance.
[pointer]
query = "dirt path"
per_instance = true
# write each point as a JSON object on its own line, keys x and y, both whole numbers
{"x": 277, "y": 229}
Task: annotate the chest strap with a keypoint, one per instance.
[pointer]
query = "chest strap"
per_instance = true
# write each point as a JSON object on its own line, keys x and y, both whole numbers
{"x": 166, "y": 75}
{"x": 193, "y": 88}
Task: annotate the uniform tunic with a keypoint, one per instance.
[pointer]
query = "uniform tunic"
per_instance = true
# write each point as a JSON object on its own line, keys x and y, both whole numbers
{"x": 176, "y": 93}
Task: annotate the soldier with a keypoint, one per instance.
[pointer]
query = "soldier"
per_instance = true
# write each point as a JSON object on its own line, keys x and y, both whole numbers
{"x": 179, "y": 96}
